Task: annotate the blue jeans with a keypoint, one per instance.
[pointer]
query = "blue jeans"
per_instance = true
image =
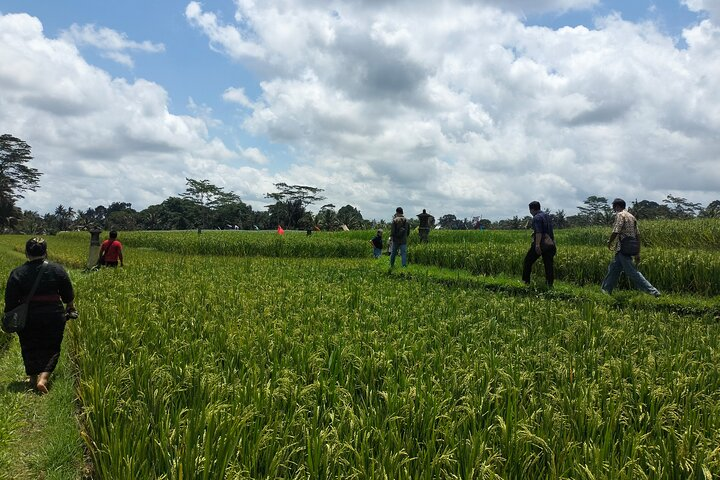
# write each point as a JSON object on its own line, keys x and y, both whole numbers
{"x": 403, "y": 254}
{"x": 377, "y": 252}
{"x": 624, "y": 263}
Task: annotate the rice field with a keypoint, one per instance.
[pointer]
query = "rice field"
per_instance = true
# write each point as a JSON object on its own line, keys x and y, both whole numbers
{"x": 680, "y": 257}
{"x": 248, "y": 355}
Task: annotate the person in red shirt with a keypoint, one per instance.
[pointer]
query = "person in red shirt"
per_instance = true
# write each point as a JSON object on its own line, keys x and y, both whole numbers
{"x": 111, "y": 251}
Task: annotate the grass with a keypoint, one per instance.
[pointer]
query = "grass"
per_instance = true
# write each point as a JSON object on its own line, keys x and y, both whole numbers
{"x": 671, "y": 266}
{"x": 329, "y": 368}
{"x": 39, "y": 435}
{"x": 202, "y": 366}
{"x": 622, "y": 298}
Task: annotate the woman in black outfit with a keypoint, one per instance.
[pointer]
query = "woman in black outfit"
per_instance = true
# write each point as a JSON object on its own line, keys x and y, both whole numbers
{"x": 42, "y": 336}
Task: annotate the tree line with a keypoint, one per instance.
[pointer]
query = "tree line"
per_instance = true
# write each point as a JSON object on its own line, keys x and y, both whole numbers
{"x": 202, "y": 206}
{"x": 206, "y": 206}
{"x": 596, "y": 210}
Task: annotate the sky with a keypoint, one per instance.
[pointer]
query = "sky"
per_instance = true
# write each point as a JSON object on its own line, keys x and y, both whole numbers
{"x": 470, "y": 108}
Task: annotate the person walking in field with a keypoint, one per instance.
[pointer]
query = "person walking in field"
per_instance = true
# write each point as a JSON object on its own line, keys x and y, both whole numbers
{"x": 399, "y": 233}
{"x": 543, "y": 245}
{"x": 424, "y": 229}
{"x": 377, "y": 243}
{"x": 625, "y": 241}
{"x": 42, "y": 335}
{"x": 111, "y": 251}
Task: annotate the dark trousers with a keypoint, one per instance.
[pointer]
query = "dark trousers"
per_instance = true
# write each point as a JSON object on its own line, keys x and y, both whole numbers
{"x": 547, "y": 255}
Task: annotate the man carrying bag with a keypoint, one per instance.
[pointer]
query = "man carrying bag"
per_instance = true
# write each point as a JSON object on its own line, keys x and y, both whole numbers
{"x": 625, "y": 241}
{"x": 543, "y": 245}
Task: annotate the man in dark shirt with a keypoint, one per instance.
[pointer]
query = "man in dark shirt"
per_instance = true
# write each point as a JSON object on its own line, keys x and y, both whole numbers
{"x": 377, "y": 243}
{"x": 543, "y": 245}
{"x": 424, "y": 228}
{"x": 399, "y": 230}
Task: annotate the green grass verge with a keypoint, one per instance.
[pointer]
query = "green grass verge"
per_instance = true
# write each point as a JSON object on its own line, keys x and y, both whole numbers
{"x": 39, "y": 435}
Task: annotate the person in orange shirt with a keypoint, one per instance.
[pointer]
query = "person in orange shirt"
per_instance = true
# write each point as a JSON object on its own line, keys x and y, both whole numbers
{"x": 111, "y": 251}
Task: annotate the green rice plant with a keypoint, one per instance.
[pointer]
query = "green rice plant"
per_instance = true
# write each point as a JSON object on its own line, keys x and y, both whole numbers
{"x": 693, "y": 271}
{"x": 254, "y": 363}
{"x": 582, "y": 261}
{"x": 218, "y": 367}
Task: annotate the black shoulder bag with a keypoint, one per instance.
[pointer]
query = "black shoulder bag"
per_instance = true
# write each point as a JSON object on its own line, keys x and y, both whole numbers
{"x": 14, "y": 320}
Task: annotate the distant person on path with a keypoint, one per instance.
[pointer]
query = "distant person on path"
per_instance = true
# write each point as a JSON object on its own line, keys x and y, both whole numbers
{"x": 399, "y": 233}
{"x": 111, "y": 251}
{"x": 377, "y": 243}
{"x": 625, "y": 227}
{"x": 424, "y": 228}
{"x": 42, "y": 336}
{"x": 543, "y": 245}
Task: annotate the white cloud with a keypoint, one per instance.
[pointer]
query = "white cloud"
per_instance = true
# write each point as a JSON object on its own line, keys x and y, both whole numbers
{"x": 99, "y": 139}
{"x": 455, "y": 106}
{"x": 462, "y": 107}
{"x": 223, "y": 36}
{"x": 112, "y": 44}
{"x": 542, "y": 6}
{"x": 712, "y": 7}
{"x": 237, "y": 95}
{"x": 254, "y": 155}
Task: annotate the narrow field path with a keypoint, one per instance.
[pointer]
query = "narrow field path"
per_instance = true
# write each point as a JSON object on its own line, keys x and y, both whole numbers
{"x": 39, "y": 434}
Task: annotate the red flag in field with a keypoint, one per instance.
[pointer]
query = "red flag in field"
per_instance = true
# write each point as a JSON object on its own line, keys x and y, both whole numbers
{"x": 280, "y": 230}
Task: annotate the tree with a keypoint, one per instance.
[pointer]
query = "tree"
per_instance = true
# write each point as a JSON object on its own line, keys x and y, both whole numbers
{"x": 326, "y": 218}
{"x": 681, "y": 207}
{"x": 122, "y": 220}
{"x": 559, "y": 219}
{"x": 85, "y": 220}
{"x": 596, "y": 211}
{"x": 201, "y": 192}
{"x": 712, "y": 210}
{"x": 307, "y": 221}
{"x": 9, "y": 213}
{"x": 448, "y": 221}
{"x": 31, "y": 222}
{"x": 15, "y": 176}
{"x": 174, "y": 213}
{"x": 483, "y": 224}
{"x": 232, "y": 212}
{"x": 62, "y": 219}
{"x": 261, "y": 219}
{"x": 649, "y": 210}
{"x": 119, "y": 207}
{"x": 515, "y": 223}
{"x": 209, "y": 198}
{"x": 291, "y": 202}
{"x": 350, "y": 216}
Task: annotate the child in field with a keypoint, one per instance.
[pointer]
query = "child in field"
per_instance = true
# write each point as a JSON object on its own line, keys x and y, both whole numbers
{"x": 377, "y": 244}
